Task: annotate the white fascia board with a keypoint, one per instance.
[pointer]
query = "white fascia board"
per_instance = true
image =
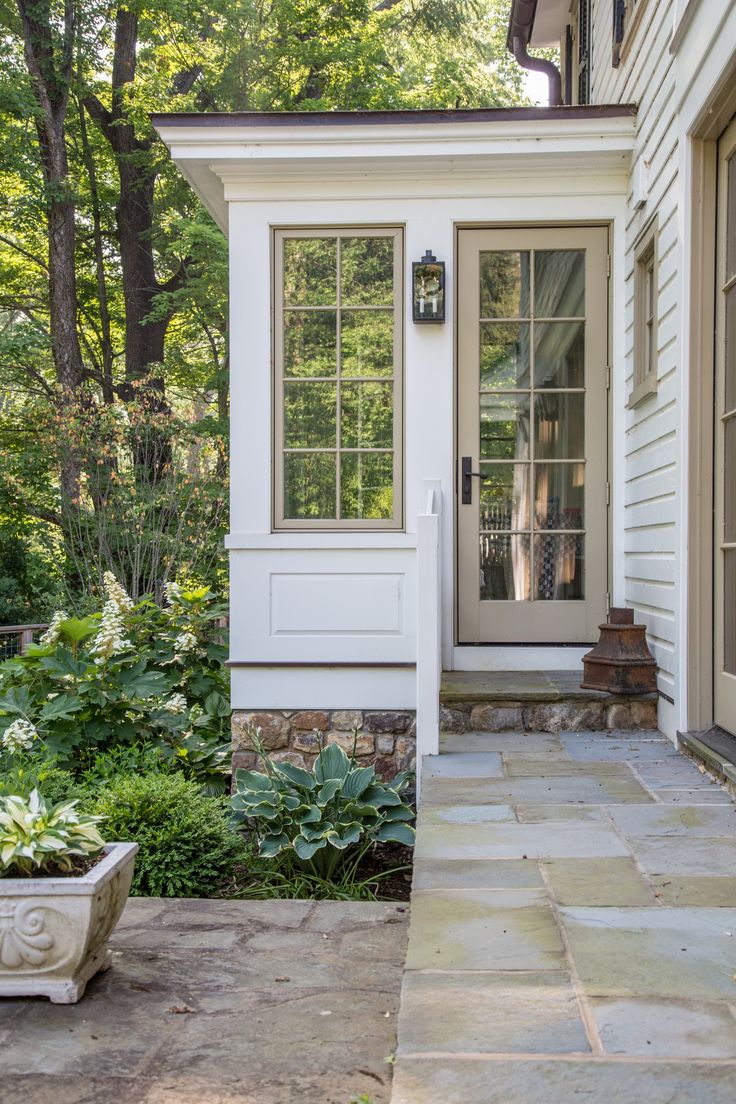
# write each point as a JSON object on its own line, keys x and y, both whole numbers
{"x": 550, "y": 20}
{"x": 220, "y": 161}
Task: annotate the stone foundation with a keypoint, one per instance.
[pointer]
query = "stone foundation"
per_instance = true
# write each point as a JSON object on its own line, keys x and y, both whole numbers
{"x": 548, "y": 716}
{"x": 386, "y": 738}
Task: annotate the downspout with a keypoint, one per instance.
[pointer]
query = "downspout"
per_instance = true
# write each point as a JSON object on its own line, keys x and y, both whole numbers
{"x": 521, "y": 24}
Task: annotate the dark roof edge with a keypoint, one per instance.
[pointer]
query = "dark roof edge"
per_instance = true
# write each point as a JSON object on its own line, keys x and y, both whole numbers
{"x": 366, "y": 118}
{"x": 521, "y": 22}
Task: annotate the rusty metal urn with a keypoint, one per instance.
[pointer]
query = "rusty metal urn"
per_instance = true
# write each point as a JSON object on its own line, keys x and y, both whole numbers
{"x": 621, "y": 662}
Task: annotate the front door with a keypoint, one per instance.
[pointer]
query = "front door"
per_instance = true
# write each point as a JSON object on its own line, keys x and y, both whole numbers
{"x": 725, "y": 439}
{"x": 532, "y": 435}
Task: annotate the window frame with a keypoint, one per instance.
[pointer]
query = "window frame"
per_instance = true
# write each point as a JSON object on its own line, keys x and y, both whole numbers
{"x": 280, "y": 522}
{"x": 630, "y": 20}
{"x": 646, "y": 313}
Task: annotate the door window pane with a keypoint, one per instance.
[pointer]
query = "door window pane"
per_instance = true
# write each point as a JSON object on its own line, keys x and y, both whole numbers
{"x": 504, "y": 496}
{"x": 504, "y": 355}
{"x": 310, "y": 272}
{"x": 559, "y": 283}
{"x": 310, "y": 343}
{"x": 504, "y": 427}
{"x": 558, "y": 567}
{"x": 729, "y": 481}
{"x": 504, "y": 567}
{"x": 504, "y": 284}
{"x": 559, "y": 354}
{"x": 729, "y": 611}
{"x": 729, "y": 353}
{"x": 559, "y": 432}
{"x": 310, "y": 415}
{"x": 558, "y": 496}
{"x": 731, "y": 220}
{"x": 366, "y": 485}
{"x": 367, "y": 271}
{"x": 309, "y": 485}
{"x": 366, "y": 343}
{"x": 367, "y": 415}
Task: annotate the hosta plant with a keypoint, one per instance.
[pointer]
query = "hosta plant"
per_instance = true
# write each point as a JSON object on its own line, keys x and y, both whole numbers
{"x": 37, "y": 837}
{"x": 321, "y": 815}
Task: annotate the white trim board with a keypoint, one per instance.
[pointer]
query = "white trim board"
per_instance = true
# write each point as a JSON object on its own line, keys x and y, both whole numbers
{"x": 509, "y": 657}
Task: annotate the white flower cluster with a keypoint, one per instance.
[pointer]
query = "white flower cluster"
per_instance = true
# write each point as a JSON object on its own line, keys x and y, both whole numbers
{"x": 19, "y": 736}
{"x": 117, "y": 593}
{"x": 177, "y": 703}
{"x": 110, "y": 638}
{"x": 185, "y": 642}
{"x": 172, "y": 592}
{"x": 52, "y": 633}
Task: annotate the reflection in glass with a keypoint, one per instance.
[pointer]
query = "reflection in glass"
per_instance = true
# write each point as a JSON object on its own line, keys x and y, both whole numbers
{"x": 366, "y": 415}
{"x": 310, "y": 411}
{"x": 559, "y": 493}
{"x": 504, "y": 285}
{"x": 559, "y": 430}
{"x": 366, "y": 485}
{"x": 559, "y": 354}
{"x": 367, "y": 343}
{"x": 729, "y": 480}
{"x": 310, "y": 272}
{"x": 504, "y": 427}
{"x": 504, "y": 355}
{"x": 729, "y": 611}
{"x": 504, "y": 496}
{"x": 559, "y": 283}
{"x": 504, "y": 567}
{"x": 367, "y": 271}
{"x": 310, "y": 343}
{"x": 558, "y": 567}
{"x": 309, "y": 485}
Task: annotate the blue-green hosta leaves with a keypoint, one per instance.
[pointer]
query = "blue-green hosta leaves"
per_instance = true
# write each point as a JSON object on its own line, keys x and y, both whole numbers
{"x": 320, "y": 815}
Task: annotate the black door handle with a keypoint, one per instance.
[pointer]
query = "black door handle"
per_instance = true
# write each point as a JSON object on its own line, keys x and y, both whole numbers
{"x": 466, "y": 496}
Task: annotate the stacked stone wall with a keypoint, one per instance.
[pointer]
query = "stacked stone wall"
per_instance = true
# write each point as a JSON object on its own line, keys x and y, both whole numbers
{"x": 545, "y": 716}
{"x": 386, "y": 738}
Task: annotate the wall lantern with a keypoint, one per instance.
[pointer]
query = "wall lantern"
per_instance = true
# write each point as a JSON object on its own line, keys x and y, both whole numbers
{"x": 428, "y": 289}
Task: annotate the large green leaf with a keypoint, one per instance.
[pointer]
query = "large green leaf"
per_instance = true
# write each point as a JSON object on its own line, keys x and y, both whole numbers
{"x": 380, "y": 796}
{"x": 78, "y": 629}
{"x": 297, "y": 775}
{"x": 395, "y": 833}
{"x": 305, "y": 848}
{"x": 357, "y": 781}
{"x": 332, "y": 762}
{"x": 271, "y": 846}
{"x": 346, "y": 837}
{"x": 399, "y": 812}
{"x": 313, "y": 815}
{"x": 147, "y": 684}
{"x": 252, "y": 780}
{"x": 62, "y": 706}
{"x": 16, "y": 701}
{"x": 216, "y": 705}
{"x": 62, "y": 662}
{"x": 327, "y": 791}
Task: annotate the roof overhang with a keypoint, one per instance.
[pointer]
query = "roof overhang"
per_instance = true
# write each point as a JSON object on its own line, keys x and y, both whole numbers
{"x": 231, "y": 156}
{"x": 538, "y": 22}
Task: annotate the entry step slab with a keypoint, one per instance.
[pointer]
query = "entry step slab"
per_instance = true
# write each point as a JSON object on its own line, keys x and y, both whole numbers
{"x": 547, "y": 701}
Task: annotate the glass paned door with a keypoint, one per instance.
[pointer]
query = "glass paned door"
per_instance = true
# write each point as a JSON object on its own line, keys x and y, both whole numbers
{"x": 532, "y": 433}
{"x": 725, "y": 440}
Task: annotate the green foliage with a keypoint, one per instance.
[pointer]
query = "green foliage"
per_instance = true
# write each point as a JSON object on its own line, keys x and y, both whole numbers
{"x": 133, "y": 674}
{"x": 36, "y": 836}
{"x": 320, "y": 817}
{"x": 22, "y": 774}
{"x": 187, "y": 848}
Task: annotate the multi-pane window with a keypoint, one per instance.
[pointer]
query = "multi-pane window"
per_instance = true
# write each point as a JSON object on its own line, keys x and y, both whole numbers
{"x": 338, "y": 378}
{"x": 645, "y": 316}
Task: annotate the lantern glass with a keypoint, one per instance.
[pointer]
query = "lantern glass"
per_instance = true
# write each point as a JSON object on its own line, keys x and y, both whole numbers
{"x": 428, "y": 291}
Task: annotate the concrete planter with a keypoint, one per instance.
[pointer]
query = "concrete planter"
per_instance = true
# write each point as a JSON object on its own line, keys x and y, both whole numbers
{"x": 54, "y": 931}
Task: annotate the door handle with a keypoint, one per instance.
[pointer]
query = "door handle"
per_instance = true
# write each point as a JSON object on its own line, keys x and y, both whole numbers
{"x": 466, "y": 495}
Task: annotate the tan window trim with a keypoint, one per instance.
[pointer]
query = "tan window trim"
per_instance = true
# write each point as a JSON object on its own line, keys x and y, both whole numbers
{"x": 632, "y": 21}
{"x": 646, "y": 302}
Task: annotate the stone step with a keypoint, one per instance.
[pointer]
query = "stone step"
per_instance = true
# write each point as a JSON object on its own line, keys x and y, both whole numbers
{"x": 537, "y": 701}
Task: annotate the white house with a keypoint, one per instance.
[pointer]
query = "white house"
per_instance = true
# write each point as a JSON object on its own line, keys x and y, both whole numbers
{"x": 477, "y": 491}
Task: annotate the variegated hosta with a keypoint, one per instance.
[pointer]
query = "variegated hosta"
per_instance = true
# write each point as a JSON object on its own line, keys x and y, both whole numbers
{"x": 321, "y": 813}
{"x": 35, "y": 836}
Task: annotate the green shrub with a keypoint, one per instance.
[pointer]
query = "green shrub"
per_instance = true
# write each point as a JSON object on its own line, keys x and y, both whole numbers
{"x": 320, "y": 817}
{"x": 21, "y": 774}
{"x": 187, "y": 847}
{"x": 129, "y": 674}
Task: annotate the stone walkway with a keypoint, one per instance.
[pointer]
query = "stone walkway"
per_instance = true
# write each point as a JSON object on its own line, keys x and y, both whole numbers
{"x": 573, "y": 927}
{"x": 220, "y": 1002}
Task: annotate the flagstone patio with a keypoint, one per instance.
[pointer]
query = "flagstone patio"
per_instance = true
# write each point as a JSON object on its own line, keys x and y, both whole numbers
{"x": 573, "y": 927}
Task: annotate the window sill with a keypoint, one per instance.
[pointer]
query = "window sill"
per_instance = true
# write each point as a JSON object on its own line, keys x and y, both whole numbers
{"x": 642, "y": 391}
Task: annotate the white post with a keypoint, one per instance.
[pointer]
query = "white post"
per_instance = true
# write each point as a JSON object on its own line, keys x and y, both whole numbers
{"x": 429, "y": 637}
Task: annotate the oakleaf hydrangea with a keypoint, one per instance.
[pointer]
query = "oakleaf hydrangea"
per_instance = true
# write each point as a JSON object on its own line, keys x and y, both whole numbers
{"x": 19, "y": 736}
{"x": 51, "y": 635}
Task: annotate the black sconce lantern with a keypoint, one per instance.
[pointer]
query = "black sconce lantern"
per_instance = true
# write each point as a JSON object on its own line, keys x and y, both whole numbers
{"x": 428, "y": 289}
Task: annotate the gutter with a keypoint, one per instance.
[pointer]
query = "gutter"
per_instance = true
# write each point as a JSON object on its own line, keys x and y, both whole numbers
{"x": 521, "y": 25}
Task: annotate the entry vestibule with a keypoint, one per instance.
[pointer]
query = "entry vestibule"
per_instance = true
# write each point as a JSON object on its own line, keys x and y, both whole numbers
{"x": 323, "y": 614}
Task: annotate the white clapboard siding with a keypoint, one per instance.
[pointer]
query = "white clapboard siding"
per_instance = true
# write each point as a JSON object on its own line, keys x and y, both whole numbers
{"x": 652, "y": 477}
